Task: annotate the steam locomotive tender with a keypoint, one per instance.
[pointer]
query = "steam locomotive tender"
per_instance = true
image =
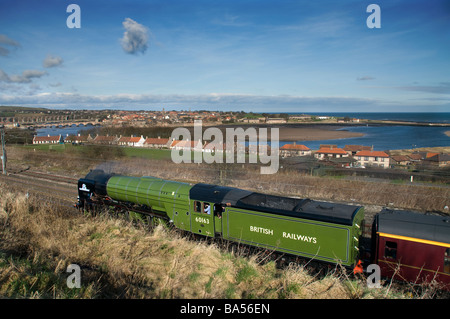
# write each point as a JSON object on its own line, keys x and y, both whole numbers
{"x": 325, "y": 232}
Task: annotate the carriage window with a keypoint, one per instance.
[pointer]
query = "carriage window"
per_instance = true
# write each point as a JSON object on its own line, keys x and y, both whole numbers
{"x": 207, "y": 209}
{"x": 447, "y": 261}
{"x": 197, "y": 207}
{"x": 390, "y": 250}
{"x": 218, "y": 210}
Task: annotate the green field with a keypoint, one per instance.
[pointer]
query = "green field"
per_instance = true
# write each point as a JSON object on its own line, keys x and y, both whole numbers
{"x": 147, "y": 153}
{"x": 87, "y": 149}
{"x": 103, "y": 151}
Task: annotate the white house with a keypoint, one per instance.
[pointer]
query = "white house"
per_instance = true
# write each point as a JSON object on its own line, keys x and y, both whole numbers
{"x": 132, "y": 141}
{"x": 372, "y": 159}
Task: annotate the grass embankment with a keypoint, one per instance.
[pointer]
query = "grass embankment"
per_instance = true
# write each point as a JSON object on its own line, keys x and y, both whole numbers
{"x": 119, "y": 260}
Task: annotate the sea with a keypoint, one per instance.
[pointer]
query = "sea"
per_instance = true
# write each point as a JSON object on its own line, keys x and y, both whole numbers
{"x": 422, "y": 117}
{"x": 390, "y": 137}
{"x": 381, "y": 137}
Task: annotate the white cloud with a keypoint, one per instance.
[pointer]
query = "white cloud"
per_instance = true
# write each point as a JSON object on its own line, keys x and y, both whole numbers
{"x": 4, "y": 40}
{"x": 365, "y": 78}
{"x": 226, "y": 101}
{"x": 25, "y": 77}
{"x": 440, "y": 88}
{"x": 51, "y": 61}
{"x": 135, "y": 37}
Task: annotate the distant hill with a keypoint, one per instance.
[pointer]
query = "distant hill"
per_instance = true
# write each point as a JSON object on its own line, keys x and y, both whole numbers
{"x": 4, "y": 108}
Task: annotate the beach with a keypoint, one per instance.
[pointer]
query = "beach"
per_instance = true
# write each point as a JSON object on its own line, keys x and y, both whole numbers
{"x": 308, "y": 132}
{"x": 293, "y": 132}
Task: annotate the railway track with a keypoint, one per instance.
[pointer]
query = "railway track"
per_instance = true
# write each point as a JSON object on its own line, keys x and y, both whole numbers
{"x": 51, "y": 188}
{"x": 49, "y": 177}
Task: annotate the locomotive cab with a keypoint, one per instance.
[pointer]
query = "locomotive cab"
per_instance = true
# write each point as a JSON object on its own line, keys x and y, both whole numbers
{"x": 202, "y": 220}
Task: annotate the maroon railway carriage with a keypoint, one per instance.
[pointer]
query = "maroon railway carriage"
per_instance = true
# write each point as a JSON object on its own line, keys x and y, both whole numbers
{"x": 414, "y": 247}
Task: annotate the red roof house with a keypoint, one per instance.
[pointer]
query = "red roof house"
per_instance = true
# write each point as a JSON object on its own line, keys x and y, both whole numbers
{"x": 294, "y": 150}
{"x": 157, "y": 142}
{"x": 372, "y": 159}
{"x": 47, "y": 139}
{"x": 326, "y": 152}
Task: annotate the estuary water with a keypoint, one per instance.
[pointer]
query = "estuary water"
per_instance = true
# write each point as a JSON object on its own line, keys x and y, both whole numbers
{"x": 389, "y": 137}
{"x": 64, "y": 131}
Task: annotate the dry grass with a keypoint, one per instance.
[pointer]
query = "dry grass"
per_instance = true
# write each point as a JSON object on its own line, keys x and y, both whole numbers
{"x": 121, "y": 260}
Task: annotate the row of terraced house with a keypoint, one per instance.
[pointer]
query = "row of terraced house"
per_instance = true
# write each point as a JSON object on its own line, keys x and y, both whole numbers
{"x": 365, "y": 156}
{"x": 349, "y": 156}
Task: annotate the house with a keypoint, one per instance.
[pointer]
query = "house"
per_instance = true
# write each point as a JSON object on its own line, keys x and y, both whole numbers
{"x": 275, "y": 120}
{"x": 430, "y": 154}
{"x": 48, "y": 139}
{"x": 428, "y": 158}
{"x": 400, "y": 160}
{"x": 327, "y": 153}
{"x": 440, "y": 160}
{"x": 77, "y": 139}
{"x": 415, "y": 158}
{"x": 372, "y": 159}
{"x": 289, "y": 150}
{"x": 214, "y": 147}
{"x": 105, "y": 140}
{"x": 132, "y": 141}
{"x": 186, "y": 145}
{"x": 353, "y": 149}
{"x": 157, "y": 142}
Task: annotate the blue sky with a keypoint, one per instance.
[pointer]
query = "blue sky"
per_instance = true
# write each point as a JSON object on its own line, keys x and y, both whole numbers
{"x": 290, "y": 56}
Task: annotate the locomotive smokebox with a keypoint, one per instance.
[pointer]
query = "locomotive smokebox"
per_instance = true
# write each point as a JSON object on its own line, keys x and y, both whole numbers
{"x": 93, "y": 184}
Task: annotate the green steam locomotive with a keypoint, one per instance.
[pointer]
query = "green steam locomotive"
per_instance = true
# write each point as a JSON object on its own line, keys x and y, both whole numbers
{"x": 323, "y": 231}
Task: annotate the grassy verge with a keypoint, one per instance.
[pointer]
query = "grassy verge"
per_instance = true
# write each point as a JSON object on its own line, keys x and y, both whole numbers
{"x": 121, "y": 260}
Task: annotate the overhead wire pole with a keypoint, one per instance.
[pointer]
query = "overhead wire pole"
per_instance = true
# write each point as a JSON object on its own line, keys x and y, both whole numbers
{"x": 3, "y": 151}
